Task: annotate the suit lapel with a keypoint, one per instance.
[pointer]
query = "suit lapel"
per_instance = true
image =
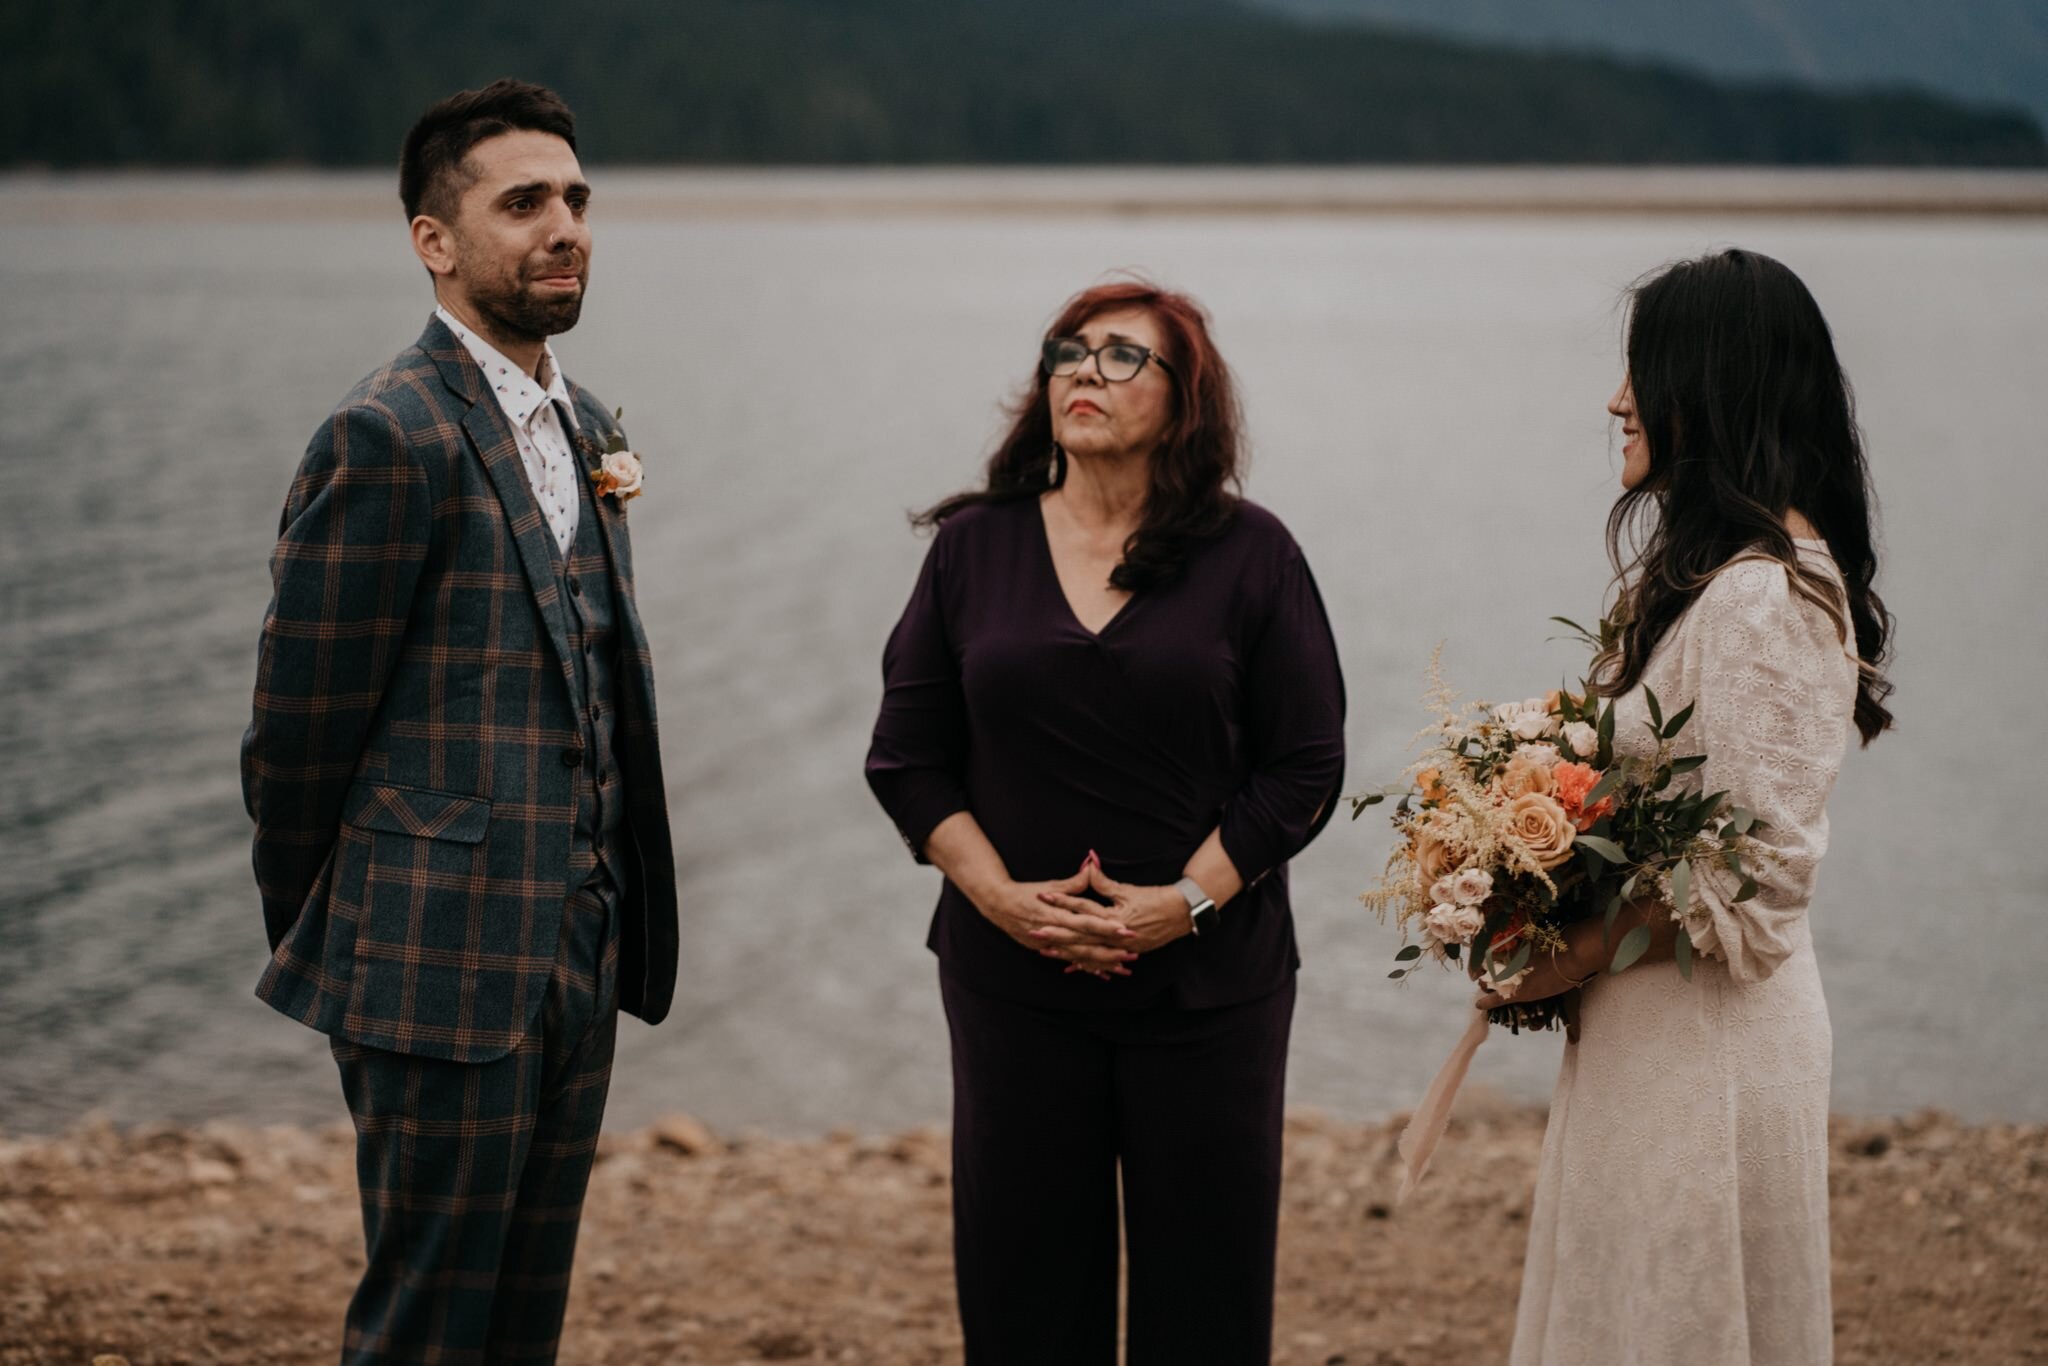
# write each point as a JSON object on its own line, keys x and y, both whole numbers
{"x": 490, "y": 433}
{"x": 610, "y": 512}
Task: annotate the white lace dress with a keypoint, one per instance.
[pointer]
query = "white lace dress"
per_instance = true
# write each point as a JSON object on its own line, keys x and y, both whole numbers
{"x": 1681, "y": 1213}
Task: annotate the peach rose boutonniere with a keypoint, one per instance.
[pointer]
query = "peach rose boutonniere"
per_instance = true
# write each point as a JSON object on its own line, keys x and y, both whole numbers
{"x": 619, "y": 472}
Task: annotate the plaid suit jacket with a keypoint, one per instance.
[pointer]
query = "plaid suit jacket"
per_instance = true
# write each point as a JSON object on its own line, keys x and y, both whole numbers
{"x": 413, "y": 752}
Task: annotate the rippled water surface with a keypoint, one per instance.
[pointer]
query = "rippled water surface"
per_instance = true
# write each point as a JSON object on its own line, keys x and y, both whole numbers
{"x": 1425, "y": 396}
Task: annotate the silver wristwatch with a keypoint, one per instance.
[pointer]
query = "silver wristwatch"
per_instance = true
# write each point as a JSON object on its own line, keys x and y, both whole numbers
{"x": 1203, "y": 914}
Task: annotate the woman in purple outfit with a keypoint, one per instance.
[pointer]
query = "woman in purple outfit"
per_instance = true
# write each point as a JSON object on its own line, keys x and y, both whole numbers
{"x": 1112, "y": 713}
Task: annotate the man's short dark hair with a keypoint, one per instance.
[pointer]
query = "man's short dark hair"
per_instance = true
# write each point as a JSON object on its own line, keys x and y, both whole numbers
{"x": 431, "y": 171}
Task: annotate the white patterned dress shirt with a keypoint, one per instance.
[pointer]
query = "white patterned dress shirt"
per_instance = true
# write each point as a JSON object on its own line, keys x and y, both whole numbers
{"x": 531, "y": 406}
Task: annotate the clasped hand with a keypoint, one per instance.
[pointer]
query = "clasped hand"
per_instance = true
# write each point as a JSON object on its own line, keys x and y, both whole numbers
{"x": 1059, "y": 921}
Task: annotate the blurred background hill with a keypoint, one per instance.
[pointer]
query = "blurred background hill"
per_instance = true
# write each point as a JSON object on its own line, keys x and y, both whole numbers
{"x": 94, "y": 83}
{"x": 1980, "y": 51}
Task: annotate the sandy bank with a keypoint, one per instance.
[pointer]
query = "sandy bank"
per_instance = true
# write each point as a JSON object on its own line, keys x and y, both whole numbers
{"x": 236, "y": 1244}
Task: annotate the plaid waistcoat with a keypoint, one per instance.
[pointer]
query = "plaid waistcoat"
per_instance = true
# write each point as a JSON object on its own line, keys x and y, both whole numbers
{"x": 590, "y": 602}
{"x": 416, "y": 752}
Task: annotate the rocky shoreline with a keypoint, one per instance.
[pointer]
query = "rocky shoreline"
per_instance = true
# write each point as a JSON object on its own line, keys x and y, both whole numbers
{"x": 239, "y": 1244}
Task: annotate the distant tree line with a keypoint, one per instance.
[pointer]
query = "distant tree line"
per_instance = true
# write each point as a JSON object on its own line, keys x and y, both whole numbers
{"x": 258, "y": 82}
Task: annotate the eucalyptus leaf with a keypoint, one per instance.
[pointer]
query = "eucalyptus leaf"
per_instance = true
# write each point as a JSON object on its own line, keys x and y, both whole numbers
{"x": 1607, "y": 917}
{"x": 1409, "y": 954}
{"x": 1740, "y": 820}
{"x": 1677, "y": 723}
{"x": 1606, "y": 849}
{"x": 1683, "y": 946}
{"x": 1634, "y": 945}
{"x": 1398, "y": 973}
{"x": 1656, "y": 711}
{"x": 1612, "y": 779}
{"x": 1688, "y": 763}
{"x": 1681, "y": 886}
{"x": 1519, "y": 961}
{"x": 1747, "y": 890}
{"x": 1583, "y": 633}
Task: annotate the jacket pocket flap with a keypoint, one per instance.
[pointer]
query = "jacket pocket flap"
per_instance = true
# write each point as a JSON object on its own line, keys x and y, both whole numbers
{"x": 417, "y": 811}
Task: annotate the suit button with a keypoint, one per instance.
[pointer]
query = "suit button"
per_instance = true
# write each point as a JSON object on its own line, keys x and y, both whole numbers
{"x": 572, "y": 758}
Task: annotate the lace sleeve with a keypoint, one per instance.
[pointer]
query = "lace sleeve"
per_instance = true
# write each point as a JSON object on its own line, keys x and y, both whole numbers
{"x": 1775, "y": 693}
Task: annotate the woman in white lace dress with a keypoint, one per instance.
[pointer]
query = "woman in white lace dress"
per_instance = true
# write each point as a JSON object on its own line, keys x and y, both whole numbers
{"x": 1681, "y": 1211}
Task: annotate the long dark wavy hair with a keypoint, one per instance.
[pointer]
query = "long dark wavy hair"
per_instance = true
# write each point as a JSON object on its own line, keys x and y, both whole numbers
{"x": 1748, "y": 415}
{"x": 1196, "y": 471}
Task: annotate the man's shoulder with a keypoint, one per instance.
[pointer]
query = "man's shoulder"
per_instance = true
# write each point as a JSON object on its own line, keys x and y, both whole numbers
{"x": 408, "y": 389}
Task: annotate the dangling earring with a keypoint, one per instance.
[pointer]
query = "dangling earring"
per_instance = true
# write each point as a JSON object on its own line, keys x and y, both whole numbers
{"x": 1052, "y": 467}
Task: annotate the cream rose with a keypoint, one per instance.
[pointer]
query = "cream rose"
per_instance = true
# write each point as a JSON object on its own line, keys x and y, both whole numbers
{"x": 1543, "y": 827}
{"x": 1470, "y": 887}
{"x": 1529, "y": 720}
{"x": 1452, "y": 924}
{"x": 622, "y": 470}
{"x": 1582, "y": 738}
{"x": 1443, "y": 889}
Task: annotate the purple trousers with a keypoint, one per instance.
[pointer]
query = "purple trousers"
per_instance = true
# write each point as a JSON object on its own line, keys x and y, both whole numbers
{"x": 1050, "y": 1107}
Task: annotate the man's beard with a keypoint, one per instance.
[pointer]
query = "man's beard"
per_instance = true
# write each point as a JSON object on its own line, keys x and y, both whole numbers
{"x": 513, "y": 309}
{"x": 520, "y": 314}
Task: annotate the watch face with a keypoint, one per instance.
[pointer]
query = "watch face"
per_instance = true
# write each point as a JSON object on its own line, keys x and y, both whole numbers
{"x": 1204, "y": 917}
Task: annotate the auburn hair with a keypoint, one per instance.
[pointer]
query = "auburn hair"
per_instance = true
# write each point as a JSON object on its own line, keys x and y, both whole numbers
{"x": 1196, "y": 471}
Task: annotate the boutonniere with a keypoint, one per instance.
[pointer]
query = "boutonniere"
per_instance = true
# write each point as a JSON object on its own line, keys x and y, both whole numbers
{"x": 618, "y": 470}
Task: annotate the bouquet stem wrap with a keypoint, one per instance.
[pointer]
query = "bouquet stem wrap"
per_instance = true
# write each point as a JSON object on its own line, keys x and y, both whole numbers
{"x": 1418, "y": 1140}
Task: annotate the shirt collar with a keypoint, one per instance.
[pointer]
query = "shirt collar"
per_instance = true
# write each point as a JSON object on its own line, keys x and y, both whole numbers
{"x": 519, "y": 394}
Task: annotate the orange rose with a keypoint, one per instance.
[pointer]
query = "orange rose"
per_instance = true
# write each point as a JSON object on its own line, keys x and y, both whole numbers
{"x": 1574, "y": 781}
{"x": 1542, "y": 826}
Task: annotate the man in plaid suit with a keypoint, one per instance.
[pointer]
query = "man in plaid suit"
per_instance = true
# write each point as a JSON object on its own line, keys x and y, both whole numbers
{"x": 462, "y": 840}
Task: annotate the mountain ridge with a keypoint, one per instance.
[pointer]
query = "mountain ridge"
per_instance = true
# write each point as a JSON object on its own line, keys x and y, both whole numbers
{"x": 914, "y": 82}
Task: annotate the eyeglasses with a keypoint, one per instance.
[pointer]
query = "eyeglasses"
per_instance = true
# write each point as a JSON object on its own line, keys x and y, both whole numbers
{"x": 1114, "y": 361}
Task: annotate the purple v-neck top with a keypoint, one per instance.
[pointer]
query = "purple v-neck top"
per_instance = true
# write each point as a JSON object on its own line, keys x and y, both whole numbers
{"x": 1215, "y": 700}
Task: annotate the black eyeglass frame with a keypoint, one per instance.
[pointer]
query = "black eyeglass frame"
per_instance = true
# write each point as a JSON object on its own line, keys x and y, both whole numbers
{"x": 1145, "y": 354}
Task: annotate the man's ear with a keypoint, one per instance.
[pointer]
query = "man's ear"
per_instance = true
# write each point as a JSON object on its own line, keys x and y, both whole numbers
{"x": 434, "y": 243}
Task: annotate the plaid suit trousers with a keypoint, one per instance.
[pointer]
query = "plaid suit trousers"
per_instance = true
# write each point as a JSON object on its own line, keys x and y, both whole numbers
{"x": 473, "y": 1174}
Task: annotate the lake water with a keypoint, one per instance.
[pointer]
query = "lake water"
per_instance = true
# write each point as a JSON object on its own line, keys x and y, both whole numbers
{"x": 1425, "y": 398}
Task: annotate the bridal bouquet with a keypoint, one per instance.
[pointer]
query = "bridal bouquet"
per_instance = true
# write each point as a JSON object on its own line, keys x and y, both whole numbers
{"x": 1523, "y": 818}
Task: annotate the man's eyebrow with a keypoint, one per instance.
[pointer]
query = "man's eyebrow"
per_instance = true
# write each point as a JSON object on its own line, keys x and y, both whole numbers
{"x": 533, "y": 187}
